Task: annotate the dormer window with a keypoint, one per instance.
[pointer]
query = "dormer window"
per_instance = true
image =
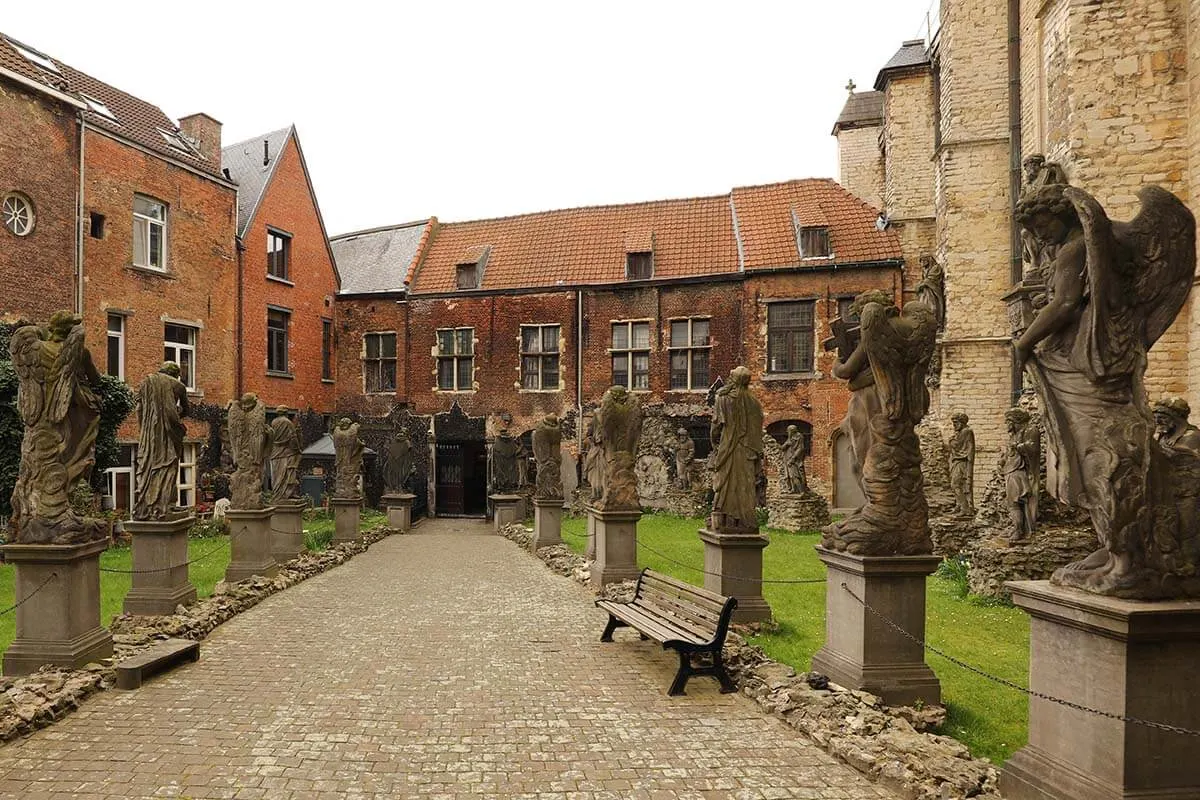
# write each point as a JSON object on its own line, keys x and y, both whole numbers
{"x": 639, "y": 266}
{"x": 814, "y": 243}
{"x": 40, "y": 59}
{"x": 176, "y": 141}
{"x": 98, "y": 107}
{"x": 467, "y": 276}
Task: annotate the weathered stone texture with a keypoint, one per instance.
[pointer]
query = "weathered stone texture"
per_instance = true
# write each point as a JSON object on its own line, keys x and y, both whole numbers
{"x": 860, "y": 163}
{"x": 908, "y": 139}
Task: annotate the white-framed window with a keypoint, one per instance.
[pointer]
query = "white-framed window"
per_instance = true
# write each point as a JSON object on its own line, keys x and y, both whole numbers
{"x": 149, "y": 233}
{"x": 187, "y": 476}
{"x": 278, "y": 323}
{"x": 279, "y": 254}
{"x": 119, "y": 480}
{"x": 690, "y": 347}
{"x": 379, "y": 362}
{"x": 631, "y": 355}
{"x": 16, "y": 212}
{"x": 116, "y": 346}
{"x": 455, "y": 359}
{"x": 790, "y": 336}
{"x": 539, "y": 356}
{"x": 179, "y": 345}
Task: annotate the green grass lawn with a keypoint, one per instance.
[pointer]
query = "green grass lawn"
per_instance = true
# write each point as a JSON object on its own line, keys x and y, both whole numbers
{"x": 990, "y": 719}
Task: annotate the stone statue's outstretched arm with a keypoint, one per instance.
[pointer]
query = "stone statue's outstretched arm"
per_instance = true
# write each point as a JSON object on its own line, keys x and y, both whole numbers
{"x": 1066, "y": 304}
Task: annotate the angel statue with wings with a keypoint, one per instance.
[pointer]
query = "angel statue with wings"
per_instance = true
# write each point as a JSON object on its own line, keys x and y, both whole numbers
{"x": 58, "y": 403}
{"x": 249, "y": 437}
{"x": 1113, "y": 289}
{"x": 886, "y": 371}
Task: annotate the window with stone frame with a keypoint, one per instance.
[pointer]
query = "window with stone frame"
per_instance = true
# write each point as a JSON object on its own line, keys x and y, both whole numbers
{"x": 631, "y": 355}
{"x": 187, "y": 476}
{"x": 790, "y": 336}
{"x": 118, "y": 480}
{"x": 279, "y": 321}
{"x": 690, "y": 347}
{"x": 179, "y": 345}
{"x": 279, "y": 255}
{"x": 843, "y": 310}
{"x": 540, "y": 357}
{"x": 814, "y": 242}
{"x": 455, "y": 359}
{"x": 379, "y": 362}
{"x": 149, "y": 233}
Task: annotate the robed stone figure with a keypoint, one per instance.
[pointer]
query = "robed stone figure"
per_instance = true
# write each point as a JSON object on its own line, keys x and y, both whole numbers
{"x": 1113, "y": 289}
{"x": 685, "y": 454}
{"x": 618, "y": 429}
{"x": 506, "y": 463}
{"x": 547, "y": 450}
{"x": 1022, "y": 468}
{"x": 60, "y": 409}
{"x": 285, "y": 456}
{"x": 398, "y": 462}
{"x": 249, "y": 439}
{"x": 794, "y": 451}
{"x": 161, "y": 405}
{"x": 962, "y": 466}
{"x": 736, "y": 434}
{"x": 593, "y": 463}
{"x": 348, "y": 459}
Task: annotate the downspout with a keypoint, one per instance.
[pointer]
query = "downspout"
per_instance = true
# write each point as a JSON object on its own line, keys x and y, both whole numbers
{"x": 79, "y": 205}
{"x": 579, "y": 378}
{"x": 240, "y": 246}
{"x": 1014, "y": 161}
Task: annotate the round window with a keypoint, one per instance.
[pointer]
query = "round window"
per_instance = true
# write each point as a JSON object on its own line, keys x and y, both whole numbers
{"x": 17, "y": 214}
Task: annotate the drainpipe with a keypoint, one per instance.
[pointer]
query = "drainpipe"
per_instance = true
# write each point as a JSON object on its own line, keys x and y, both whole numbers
{"x": 79, "y": 206}
{"x": 1014, "y": 160}
{"x": 240, "y": 246}
{"x": 579, "y": 378}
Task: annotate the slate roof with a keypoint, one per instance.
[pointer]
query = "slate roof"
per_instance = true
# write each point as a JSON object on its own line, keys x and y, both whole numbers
{"x": 136, "y": 119}
{"x": 691, "y": 237}
{"x": 244, "y": 160}
{"x": 379, "y": 259}
{"x": 911, "y": 54}
{"x": 861, "y": 109}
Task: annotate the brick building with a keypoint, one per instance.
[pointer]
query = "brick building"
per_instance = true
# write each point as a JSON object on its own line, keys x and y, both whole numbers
{"x": 288, "y": 278}
{"x": 491, "y": 324}
{"x": 138, "y": 235}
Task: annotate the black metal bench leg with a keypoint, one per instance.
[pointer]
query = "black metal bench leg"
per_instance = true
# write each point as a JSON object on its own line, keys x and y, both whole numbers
{"x": 681, "y": 677}
{"x": 613, "y": 624}
{"x": 727, "y": 684}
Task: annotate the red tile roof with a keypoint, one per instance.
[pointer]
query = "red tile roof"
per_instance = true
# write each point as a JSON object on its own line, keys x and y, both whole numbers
{"x": 691, "y": 237}
{"x": 136, "y": 119}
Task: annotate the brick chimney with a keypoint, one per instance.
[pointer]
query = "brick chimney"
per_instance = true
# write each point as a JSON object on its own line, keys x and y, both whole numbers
{"x": 206, "y": 133}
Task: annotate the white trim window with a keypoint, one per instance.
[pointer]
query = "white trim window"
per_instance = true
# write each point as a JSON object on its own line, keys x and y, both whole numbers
{"x": 631, "y": 355}
{"x": 539, "y": 357}
{"x": 690, "y": 346}
{"x": 379, "y": 362}
{"x": 187, "y": 476}
{"x": 455, "y": 359}
{"x": 119, "y": 480}
{"x": 179, "y": 345}
{"x": 16, "y": 212}
{"x": 116, "y": 346}
{"x": 149, "y": 233}
{"x": 279, "y": 255}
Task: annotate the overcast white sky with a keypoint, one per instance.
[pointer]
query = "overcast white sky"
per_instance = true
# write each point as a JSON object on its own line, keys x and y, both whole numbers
{"x": 469, "y": 110}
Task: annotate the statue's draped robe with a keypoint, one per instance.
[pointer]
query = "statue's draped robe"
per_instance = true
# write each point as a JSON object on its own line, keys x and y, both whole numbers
{"x": 348, "y": 457}
{"x": 737, "y": 430}
{"x": 506, "y": 475}
{"x": 248, "y": 439}
{"x": 795, "y": 481}
{"x": 160, "y": 445}
{"x": 285, "y": 459}
{"x": 547, "y": 449}
{"x": 618, "y": 429}
{"x": 398, "y": 464}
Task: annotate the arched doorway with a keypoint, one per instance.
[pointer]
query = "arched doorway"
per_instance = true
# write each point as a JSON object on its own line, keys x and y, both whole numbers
{"x": 847, "y": 492}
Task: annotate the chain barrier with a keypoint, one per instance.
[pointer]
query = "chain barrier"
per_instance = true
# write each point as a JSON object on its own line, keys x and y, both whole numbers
{"x": 25, "y": 599}
{"x": 187, "y": 563}
{"x": 1162, "y": 726}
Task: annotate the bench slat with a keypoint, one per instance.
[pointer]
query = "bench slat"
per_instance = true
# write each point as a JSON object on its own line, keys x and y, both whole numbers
{"x": 699, "y": 592}
{"x": 652, "y": 626}
{"x": 692, "y": 594}
{"x": 702, "y": 632}
{"x": 687, "y": 615}
{"x": 701, "y": 612}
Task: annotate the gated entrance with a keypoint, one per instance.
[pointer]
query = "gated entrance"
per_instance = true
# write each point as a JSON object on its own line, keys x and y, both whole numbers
{"x": 461, "y": 479}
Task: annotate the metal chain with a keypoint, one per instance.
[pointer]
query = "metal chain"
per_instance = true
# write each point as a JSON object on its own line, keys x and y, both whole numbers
{"x": 24, "y": 599}
{"x": 1162, "y": 726}
{"x": 168, "y": 569}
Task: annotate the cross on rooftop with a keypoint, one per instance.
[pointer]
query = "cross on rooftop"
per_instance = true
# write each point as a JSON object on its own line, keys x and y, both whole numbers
{"x": 851, "y": 86}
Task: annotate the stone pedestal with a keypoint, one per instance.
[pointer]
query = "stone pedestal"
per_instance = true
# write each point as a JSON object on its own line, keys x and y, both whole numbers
{"x": 345, "y": 518}
{"x": 616, "y": 546}
{"x": 287, "y": 530}
{"x": 506, "y": 509}
{"x": 590, "y": 550}
{"x": 861, "y": 651}
{"x": 1130, "y": 658}
{"x": 160, "y": 546}
{"x": 60, "y": 622}
{"x": 399, "y": 510}
{"x": 547, "y": 522}
{"x": 798, "y": 512}
{"x": 733, "y": 568}
{"x": 250, "y": 544}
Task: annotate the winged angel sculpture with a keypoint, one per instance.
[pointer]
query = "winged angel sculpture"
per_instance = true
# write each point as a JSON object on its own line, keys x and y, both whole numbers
{"x": 1113, "y": 289}
{"x": 886, "y": 371}
{"x": 61, "y": 412}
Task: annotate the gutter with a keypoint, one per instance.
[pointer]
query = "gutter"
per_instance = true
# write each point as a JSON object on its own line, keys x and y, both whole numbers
{"x": 79, "y": 205}
{"x": 240, "y": 247}
{"x": 36, "y": 86}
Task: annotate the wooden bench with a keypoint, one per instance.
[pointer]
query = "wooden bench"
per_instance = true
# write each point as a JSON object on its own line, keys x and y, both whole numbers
{"x": 164, "y": 655}
{"x": 685, "y": 618}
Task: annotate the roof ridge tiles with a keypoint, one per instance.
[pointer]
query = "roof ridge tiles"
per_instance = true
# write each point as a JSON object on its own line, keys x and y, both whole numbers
{"x": 598, "y": 207}
{"x": 258, "y": 138}
{"x": 381, "y": 229}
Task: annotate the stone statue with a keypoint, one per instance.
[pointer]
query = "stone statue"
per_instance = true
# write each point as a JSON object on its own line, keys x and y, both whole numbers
{"x": 793, "y": 478}
{"x": 507, "y": 453}
{"x": 226, "y": 458}
{"x": 932, "y": 289}
{"x": 249, "y": 439}
{"x": 161, "y": 405}
{"x": 1022, "y": 465}
{"x": 618, "y": 427}
{"x": 285, "y": 456}
{"x": 961, "y": 449}
{"x": 1039, "y": 173}
{"x": 593, "y": 464}
{"x": 1113, "y": 289}
{"x": 685, "y": 454}
{"x": 886, "y": 373}
{"x": 1172, "y": 429}
{"x": 58, "y": 404}
{"x": 398, "y": 462}
{"x": 547, "y": 449}
{"x": 348, "y": 459}
{"x": 737, "y": 431}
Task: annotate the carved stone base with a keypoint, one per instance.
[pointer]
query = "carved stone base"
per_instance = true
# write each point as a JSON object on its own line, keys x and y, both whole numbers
{"x": 157, "y": 545}
{"x": 399, "y": 510}
{"x": 861, "y": 651}
{"x": 250, "y": 544}
{"x": 547, "y": 522}
{"x": 798, "y": 512}
{"x": 60, "y": 622}
{"x": 1131, "y": 658}
{"x": 733, "y": 568}
{"x": 506, "y": 508}
{"x": 590, "y": 548}
{"x": 616, "y": 546}
{"x": 345, "y": 518}
{"x": 287, "y": 530}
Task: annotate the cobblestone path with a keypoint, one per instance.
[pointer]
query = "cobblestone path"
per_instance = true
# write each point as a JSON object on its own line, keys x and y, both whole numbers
{"x": 447, "y": 663}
